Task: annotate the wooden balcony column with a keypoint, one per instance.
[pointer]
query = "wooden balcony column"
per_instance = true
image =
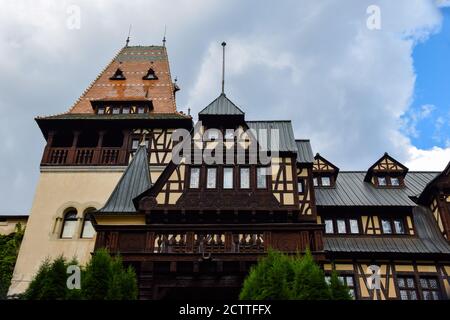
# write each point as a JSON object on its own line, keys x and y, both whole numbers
{"x": 71, "y": 157}
{"x": 122, "y": 159}
{"x": 46, "y": 155}
{"x": 98, "y": 149}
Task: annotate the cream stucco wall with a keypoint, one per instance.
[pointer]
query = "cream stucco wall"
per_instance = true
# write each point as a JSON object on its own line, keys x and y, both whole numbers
{"x": 58, "y": 190}
{"x": 9, "y": 226}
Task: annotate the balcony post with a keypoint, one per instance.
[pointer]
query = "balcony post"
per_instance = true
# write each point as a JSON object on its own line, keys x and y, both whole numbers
{"x": 46, "y": 154}
{"x": 71, "y": 157}
{"x": 123, "y": 150}
{"x": 98, "y": 149}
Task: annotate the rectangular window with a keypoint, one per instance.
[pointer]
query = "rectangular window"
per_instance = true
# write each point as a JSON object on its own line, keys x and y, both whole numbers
{"x": 381, "y": 181}
{"x": 315, "y": 182}
{"x": 395, "y": 182}
{"x": 329, "y": 226}
{"x": 300, "y": 186}
{"x": 326, "y": 181}
{"x": 245, "y": 178}
{"x": 399, "y": 227}
{"x": 126, "y": 110}
{"x": 135, "y": 144}
{"x": 141, "y": 110}
{"x": 354, "y": 227}
{"x": 342, "y": 228}
{"x": 211, "y": 178}
{"x": 101, "y": 110}
{"x": 116, "y": 110}
{"x": 386, "y": 226}
{"x": 407, "y": 288}
{"x": 195, "y": 178}
{"x": 228, "y": 178}
{"x": 430, "y": 288}
{"x": 261, "y": 178}
{"x": 350, "y": 283}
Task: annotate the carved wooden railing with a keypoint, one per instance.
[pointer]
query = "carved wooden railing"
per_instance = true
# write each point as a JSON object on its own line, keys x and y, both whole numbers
{"x": 84, "y": 156}
{"x": 209, "y": 242}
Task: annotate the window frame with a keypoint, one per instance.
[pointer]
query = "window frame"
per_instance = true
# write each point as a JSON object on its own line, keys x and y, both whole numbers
{"x": 406, "y": 288}
{"x": 232, "y": 178}
{"x": 301, "y": 182}
{"x": 391, "y": 221}
{"x": 249, "y": 178}
{"x": 265, "y": 177}
{"x": 198, "y": 180}
{"x": 208, "y": 169}
{"x": 65, "y": 219}
{"x": 86, "y": 215}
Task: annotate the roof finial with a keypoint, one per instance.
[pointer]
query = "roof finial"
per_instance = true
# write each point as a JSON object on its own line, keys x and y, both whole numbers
{"x": 128, "y": 38}
{"x": 223, "y": 67}
{"x": 164, "y": 38}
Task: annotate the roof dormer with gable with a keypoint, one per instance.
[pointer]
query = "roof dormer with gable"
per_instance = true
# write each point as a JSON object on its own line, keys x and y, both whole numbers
{"x": 386, "y": 172}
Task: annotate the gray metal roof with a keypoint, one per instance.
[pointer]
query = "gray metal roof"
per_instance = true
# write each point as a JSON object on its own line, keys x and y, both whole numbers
{"x": 427, "y": 240}
{"x": 351, "y": 190}
{"x": 286, "y": 141}
{"x": 221, "y": 106}
{"x": 134, "y": 181}
{"x": 304, "y": 154}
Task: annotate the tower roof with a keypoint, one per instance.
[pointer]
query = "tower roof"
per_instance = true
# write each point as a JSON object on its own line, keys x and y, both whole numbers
{"x": 222, "y": 106}
{"x": 134, "y": 63}
{"x": 134, "y": 181}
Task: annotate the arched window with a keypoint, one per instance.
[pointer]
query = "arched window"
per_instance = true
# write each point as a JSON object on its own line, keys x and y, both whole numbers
{"x": 69, "y": 224}
{"x": 88, "y": 230}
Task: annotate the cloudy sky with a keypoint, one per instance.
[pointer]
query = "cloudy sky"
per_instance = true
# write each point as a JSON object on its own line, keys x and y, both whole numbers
{"x": 355, "y": 91}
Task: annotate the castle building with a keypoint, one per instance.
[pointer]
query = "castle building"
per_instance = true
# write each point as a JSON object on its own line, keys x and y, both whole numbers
{"x": 112, "y": 177}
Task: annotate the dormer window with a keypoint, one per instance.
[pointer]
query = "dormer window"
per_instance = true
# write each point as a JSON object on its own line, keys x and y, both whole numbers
{"x": 324, "y": 172}
{"x": 382, "y": 181}
{"x": 118, "y": 75}
{"x": 386, "y": 173}
{"x": 326, "y": 181}
{"x": 395, "y": 182}
{"x": 101, "y": 110}
{"x": 150, "y": 75}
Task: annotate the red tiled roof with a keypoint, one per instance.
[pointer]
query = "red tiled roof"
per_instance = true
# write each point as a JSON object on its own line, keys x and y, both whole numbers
{"x": 135, "y": 62}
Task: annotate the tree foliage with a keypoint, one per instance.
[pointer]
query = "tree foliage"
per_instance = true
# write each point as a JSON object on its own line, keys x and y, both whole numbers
{"x": 103, "y": 278}
{"x": 281, "y": 277}
{"x": 9, "y": 249}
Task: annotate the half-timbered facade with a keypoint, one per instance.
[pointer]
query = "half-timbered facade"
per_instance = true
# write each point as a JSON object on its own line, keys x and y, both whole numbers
{"x": 193, "y": 213}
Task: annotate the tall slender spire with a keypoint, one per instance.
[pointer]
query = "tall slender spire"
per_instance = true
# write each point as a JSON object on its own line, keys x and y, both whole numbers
{"x": 164, "y": 38}
{"x": 223, "y": 67}
{"x": 128, "y": 38}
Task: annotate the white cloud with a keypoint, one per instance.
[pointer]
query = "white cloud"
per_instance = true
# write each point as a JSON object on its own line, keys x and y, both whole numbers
{"x": 433, "y": 159}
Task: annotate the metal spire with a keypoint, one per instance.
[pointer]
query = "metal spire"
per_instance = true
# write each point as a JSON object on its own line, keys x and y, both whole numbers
{"x": 223, "y": 67}
{"x": 128, "y": 38}
{"x": 164, "y": 38}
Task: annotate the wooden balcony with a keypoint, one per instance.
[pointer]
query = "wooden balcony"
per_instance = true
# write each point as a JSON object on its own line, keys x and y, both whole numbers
{"x": 84, "y": 156}
{"x": 205, "y": 240}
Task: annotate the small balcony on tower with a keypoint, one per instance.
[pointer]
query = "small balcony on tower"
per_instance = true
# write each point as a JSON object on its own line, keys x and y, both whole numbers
{"x": 86, "y": 148}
